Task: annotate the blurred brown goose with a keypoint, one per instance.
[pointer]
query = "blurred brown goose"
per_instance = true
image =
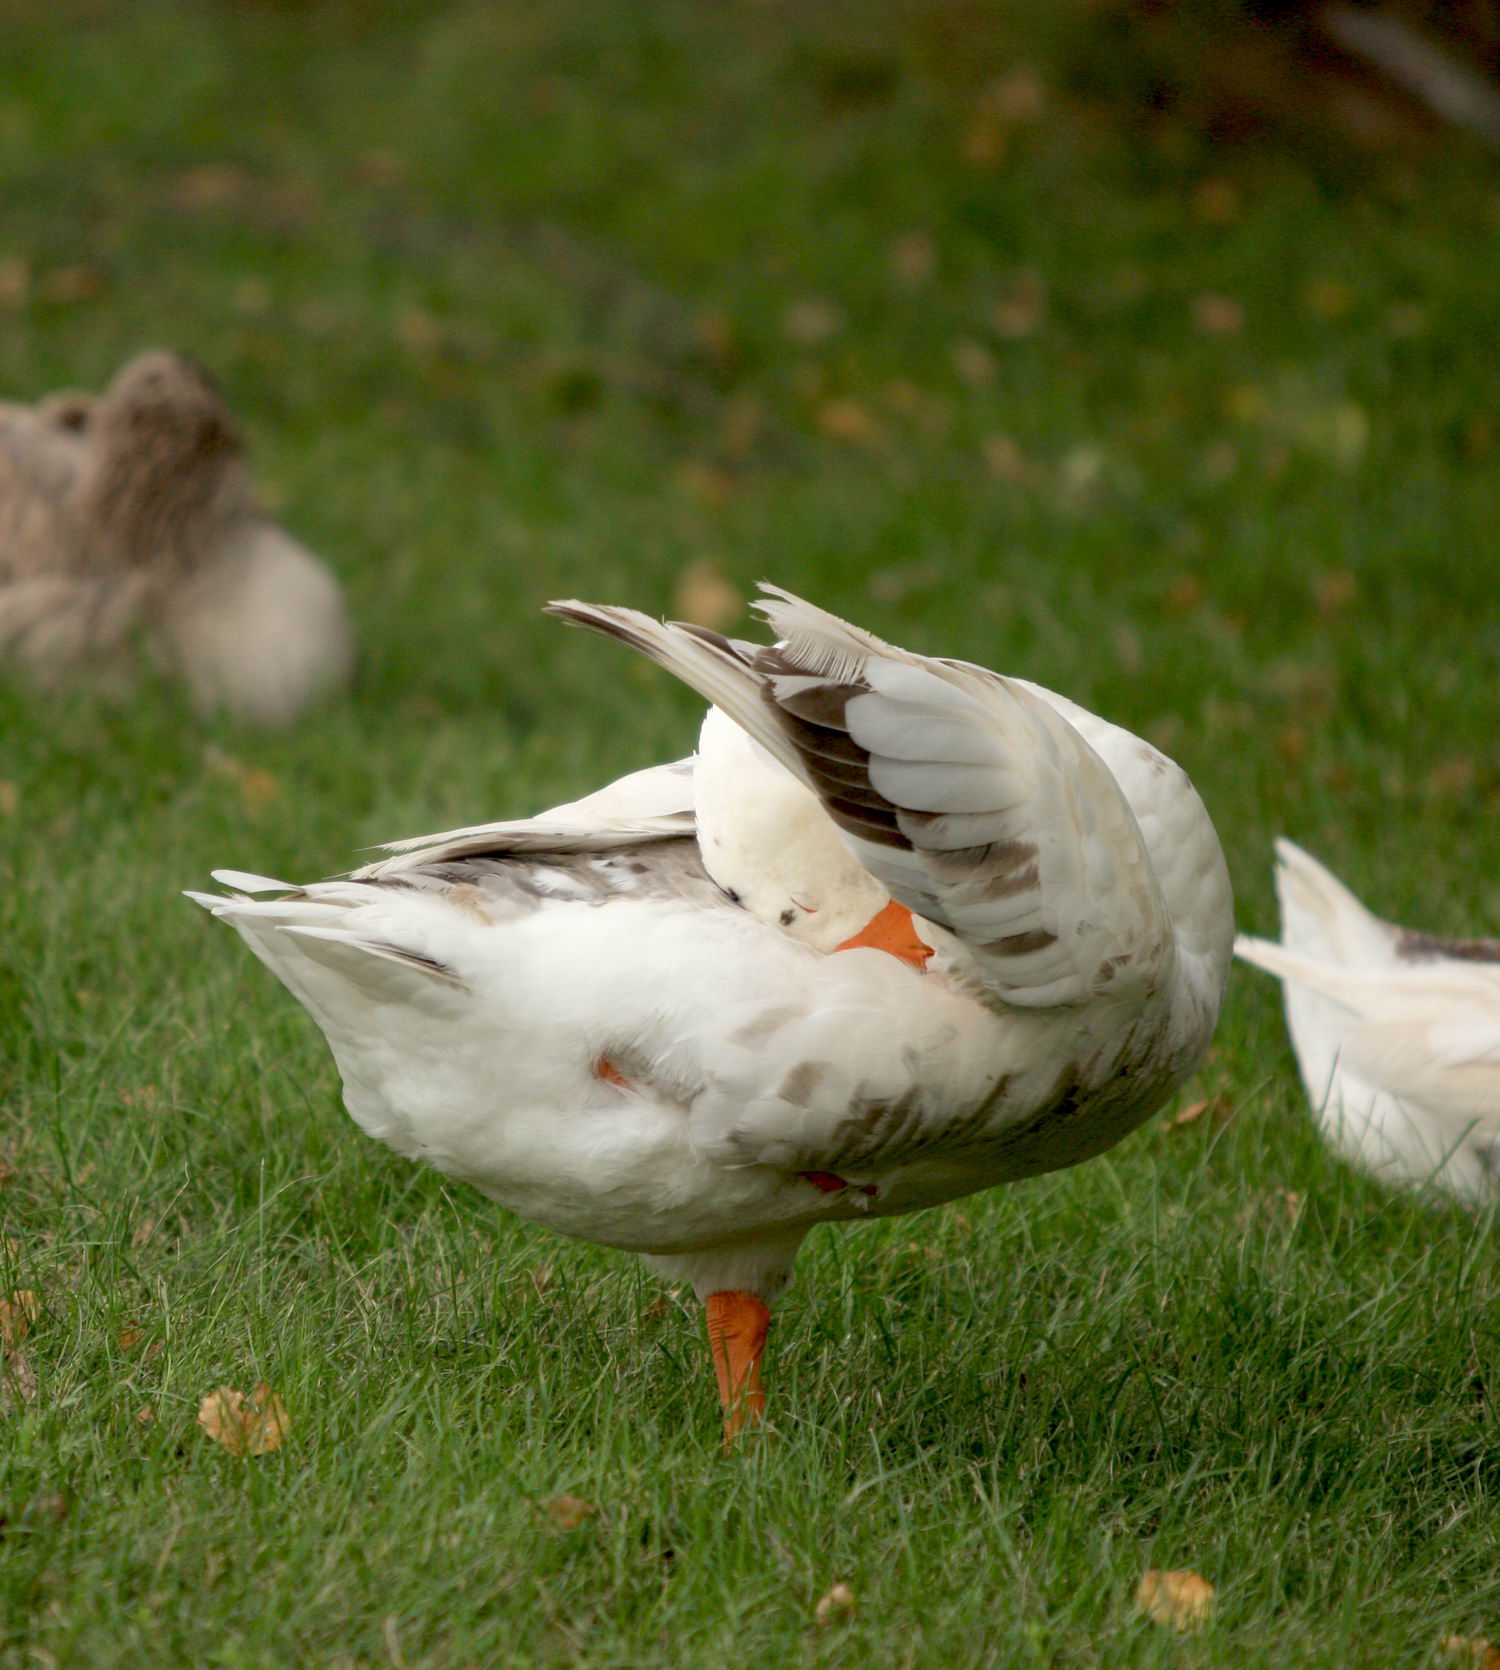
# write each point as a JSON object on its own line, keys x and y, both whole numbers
{"x": 129, "y": 524}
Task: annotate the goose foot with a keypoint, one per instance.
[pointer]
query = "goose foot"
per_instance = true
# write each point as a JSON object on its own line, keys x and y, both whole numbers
{"x": 737, "y": 1327}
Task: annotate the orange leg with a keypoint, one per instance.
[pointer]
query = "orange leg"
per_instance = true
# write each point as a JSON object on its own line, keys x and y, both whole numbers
{"x": 737, "y": 1327}
{"x": 892, "y": 930}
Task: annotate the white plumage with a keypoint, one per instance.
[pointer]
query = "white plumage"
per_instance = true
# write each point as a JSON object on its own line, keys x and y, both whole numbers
{"x": 1397, "y": 1034}
{"x": 692, "y": 1016}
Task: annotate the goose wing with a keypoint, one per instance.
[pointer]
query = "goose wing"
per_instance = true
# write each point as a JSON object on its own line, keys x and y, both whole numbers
{"x": 651, "y": 805}
{"x": 974, "y": 803}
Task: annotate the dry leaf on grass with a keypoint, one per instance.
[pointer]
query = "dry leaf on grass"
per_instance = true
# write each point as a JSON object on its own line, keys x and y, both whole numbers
{"x": 253, "y": 1426}
{"x": 17, "y": 1383}
{"x": 1476, "y": 1649}
{"x": 1181, "y": 1599}
{"x": 1021, "y": 308}
{"x": 1216, "y": 201}
{"x": 705, "y": 597}
{"x": 15, "y": 281}
{"x": 836, "y": 1606}
{"x": 258, "y": 787}
{"x": 568, "y": 1512}
{"x": 1333, "y": 591}
{"x": 75, "y": 284}
{"x": 1213, "y": 1107}
{"x": 812, "y": 321}
{"x": 145, "y": 1415}
{"x": 912, "y": 258}
{"x": 973, "y": 362}
{"x": 17, "y": 1313}
{"x": 708, "y": 483}
{"x": 1218, "y": 315}
{"x": 847, "y": 421}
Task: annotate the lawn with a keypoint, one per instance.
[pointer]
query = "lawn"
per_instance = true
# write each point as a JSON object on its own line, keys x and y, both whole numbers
{"x": 518, "y": 302}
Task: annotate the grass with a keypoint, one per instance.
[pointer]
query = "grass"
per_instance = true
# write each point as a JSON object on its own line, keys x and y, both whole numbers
{"x": 522, "y": 302}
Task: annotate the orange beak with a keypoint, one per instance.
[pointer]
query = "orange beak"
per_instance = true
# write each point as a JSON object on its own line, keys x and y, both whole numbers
{"x": 892, "y": 930}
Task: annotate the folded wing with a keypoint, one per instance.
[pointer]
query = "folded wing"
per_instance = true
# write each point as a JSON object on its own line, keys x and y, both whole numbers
{"x": 651, "y": 805}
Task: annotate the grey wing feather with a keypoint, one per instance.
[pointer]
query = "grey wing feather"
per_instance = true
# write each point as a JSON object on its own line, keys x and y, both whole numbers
{"x": 651, "y": 805}
{"x": 971, "y": 800}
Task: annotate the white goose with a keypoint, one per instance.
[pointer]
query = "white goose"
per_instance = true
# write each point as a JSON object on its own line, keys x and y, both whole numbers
{"x": 1397, "y": 1034}
{"x": 903, "y": 929}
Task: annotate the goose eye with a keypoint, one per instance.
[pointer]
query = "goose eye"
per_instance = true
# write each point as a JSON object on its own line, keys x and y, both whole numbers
{"x": 788, "y": 916}
{"x": 732, "y": 896}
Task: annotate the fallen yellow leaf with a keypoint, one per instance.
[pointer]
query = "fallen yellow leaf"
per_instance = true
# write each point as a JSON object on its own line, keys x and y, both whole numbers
{"x": 812, "y": 321}
{"x": 74, "y": 284}
{"x": 1181, "y": 1599}
{"x": 1334, "y": 591}
{"x": 847, "y": 420}
{"x": 568, "y": 1512}
{"x": 145, "y": 1415}
{"x": 258, "y": 787}
{"x": 245, "y": 1427}
{"x": 837, "y": 1606}
{"x": 1218, "y": 315}
{"x": 708, "y": 483}
{"x": 983, "y": 139}
{"x": 1184, "y": 594}
{"x": 1216, "y": 201}
{"x": 17, "y": 1313}
{"x": 17, "y": 1382}
{"x": 15, "y": 281}
{"x": 419, "y": 332}
{"x": 1019, "y": 311}
{"x": 913, "y": 258}
{"x": 973, "y": 362}
{"x": 1475, "y": 1648}
{"x": 705, "y": 597}
{"x": 1217, "y": 1107}
{"x": 1004, "y": 459}
{"x": 715, "y": 333}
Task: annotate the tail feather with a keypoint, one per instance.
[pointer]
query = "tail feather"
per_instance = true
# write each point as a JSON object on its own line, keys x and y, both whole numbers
{"x": 1322, "y": 919}
{"x": 245, "y": 882}
{"x": 1287, "y": 964}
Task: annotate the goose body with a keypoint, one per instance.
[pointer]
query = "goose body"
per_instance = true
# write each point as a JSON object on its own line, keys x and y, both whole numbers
{"x": 128, "y": 521}
{"x": 901, "y": 930}
{"x": 1397, "y": 1034}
